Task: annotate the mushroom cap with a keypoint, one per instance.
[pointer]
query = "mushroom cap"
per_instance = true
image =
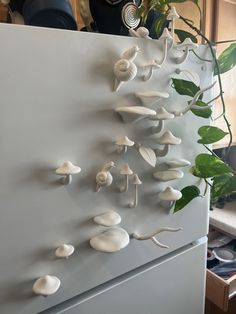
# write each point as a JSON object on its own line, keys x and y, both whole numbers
{"x": 163, "y": 114}
{"x": 46, "y": 285}
{"x": 173, "y": 15}
{"x": 142, "y": 32}
{"x": 124, "y": 141}
{"x": 64, "y": 250}
{"x": 108, "y": 219}
{"x": 112, "y": 240}
{"x": 126, "y": 170}
{"x": 170, "y": 194}
{"x": 137, "y": 181}
{"x": 152, "y": 94}
{"x": 187, "y": 43}
{"x": 168, "y": 175}
{"x": 178, "y": 163}
{"x": 67, "y": 168}
{"x": 166, "y": 35}
{"x": 169, "y": 138}
{"x": 134, "y": 113}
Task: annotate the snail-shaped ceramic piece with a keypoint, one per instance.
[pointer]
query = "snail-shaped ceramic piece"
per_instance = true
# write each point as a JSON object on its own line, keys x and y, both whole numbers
{"x": 104, "y": 177}
{"x": 124, "y": 71}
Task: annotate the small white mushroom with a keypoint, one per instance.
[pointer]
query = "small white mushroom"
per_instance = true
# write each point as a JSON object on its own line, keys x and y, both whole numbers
{"x": 168, "y": 175}
{"x": 123, "y": 143}
{"x": 187, "y": 44}
{"x": 177, "y": 163}
{"x": 108, "y": 219}
{"x": 190, "y": 75}
{"x": 166, "y": 139}
{"x": 66, "y": 170}
{"x": 134, "y": 113}
{"x": 136, "y": 182}
{"x": 168, "y": 196}
{"x": 166, "y": 44}
{"x": 46, "y": 285}
{"x": 151, "y": 97}
{"x": 64, "y": 250}
{"x": 172, "y": 16}
{"x": 151, "y": 66}
{"x": 124, "y": 70}
{"x": 111, "y": 240}
{"x": 126, "y": 171}
{"x": 104, "y": 177}
{"x": 141, "y": 32}
{"x": 131, "y": 53}
{"x": 152, "y": 236}
{"x": 161, "y": 115}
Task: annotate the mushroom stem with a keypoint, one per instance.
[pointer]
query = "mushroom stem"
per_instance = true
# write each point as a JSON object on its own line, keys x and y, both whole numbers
{"x": 122, "y": 149}
{"x": 165, "y": 49}
{"x": 66, "y": 180}
{"x": 98, "y": 188}
{"x": 173, "y": 29}
{"x": 183, "y": 57}
{"x": 135, "y": 202}
{"x": 117, "y": 84}
{"x": 166, "y": 204}
{"x": 162, "y": 152}
{"x": 126, "y": 186}
{"x": 159, "y": 127}
{"x": 151, "y": 66}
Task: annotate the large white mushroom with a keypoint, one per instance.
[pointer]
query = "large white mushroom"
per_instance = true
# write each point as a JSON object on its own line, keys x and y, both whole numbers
{"x": 168, "y": 175}
{"x": 167, "y": 40}
{"x": 111, "y": 240}
{"x": 64, "y": 250}
{"x": 108, "y": 219}
{"x": 151, "y": 66}
{"x": 149, "y": 98}
{"x": 177, "y": 163}
{"x": 46, "y": 285}
{"x": 134, "y": 113}
{"x": 187, "y": 44}
{"x": 67, "y": 169}
{"x": 168, "y": 196}
{"x": 166, "y": 139}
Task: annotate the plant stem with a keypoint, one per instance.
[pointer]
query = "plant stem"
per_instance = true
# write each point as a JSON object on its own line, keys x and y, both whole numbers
{"x": 224, "y": 41}
{"x": 211, "y": 151}
{"x": 199, "y": 56}
{"x": 219, "y": 80}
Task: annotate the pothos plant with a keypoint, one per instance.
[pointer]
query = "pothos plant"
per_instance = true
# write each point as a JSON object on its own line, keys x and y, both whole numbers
{"x": 208, "y": 166}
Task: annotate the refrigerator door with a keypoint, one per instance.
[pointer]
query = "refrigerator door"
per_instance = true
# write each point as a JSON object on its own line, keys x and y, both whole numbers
{"x": 57, "y": 104}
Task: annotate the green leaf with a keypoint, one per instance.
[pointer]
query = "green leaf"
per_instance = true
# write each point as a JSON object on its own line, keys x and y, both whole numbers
{"x": 210, "y": 134}
{"x": 182, "y": 35}
{"x": 208, "y": 166}
{"x": 223, "y": 185}
{"x": 186, "y": 88}
{"x": 206, "y": 113}
{"x": 188, "y": 194}
{"x": 159, "y": 24}
{"x": 181, "y": 1}
{"x": 227, "y": 59}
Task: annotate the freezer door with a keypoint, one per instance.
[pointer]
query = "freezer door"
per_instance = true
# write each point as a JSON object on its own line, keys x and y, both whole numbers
{"x": 57, "y": 103}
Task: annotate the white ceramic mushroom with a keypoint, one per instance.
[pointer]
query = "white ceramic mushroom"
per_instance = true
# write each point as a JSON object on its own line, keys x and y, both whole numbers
{"x": 136, "y": 183}
{"x": 193, "y": 102}
{"x": 104, "y": 177}
{"x": 168, "y": 196}
{"x": 134, "y": 113}
{"x": 152, "y": 236}
{"x": 166, "y": 139}
{"x": 141, "y": 32}
{"x": 131, "y": 53}
{"x": 46, "y": 285}
{"x": 151, "y": 66}
{"x": 126, "y": 171}
{"x": 187, "y": 44}
{"x": 161, "y": 115}
{"x": 123, "y": 143}
{"x": 67, "y": 169}
{"x": 168, "y": 175}
{"x": 64, "y": 250}
{"x": 108, "y": 219}
{"x": 172, "y": 16}
{"x": 190, "y": 75}
{"x": 111, "y": 240}
{"x": 177, "y": 163}
{"x": 124, "y": 70}
{"x": 167, "y": 41}
{"x": 151, "y": 97}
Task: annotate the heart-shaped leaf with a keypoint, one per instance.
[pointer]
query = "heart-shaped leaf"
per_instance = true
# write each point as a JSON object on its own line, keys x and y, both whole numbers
{"x": 227, "y": 59}
{"x": 188, "y": 194}
{"x": 223, "y": 185}
{"x": 186, "y": 88}
{"x": 210, "y": 134}
{"x": 208, "y": 166}
{"x": 182, "y": 35}
{"x": 206, "y": 113}
{"x": 148, "y": 155}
